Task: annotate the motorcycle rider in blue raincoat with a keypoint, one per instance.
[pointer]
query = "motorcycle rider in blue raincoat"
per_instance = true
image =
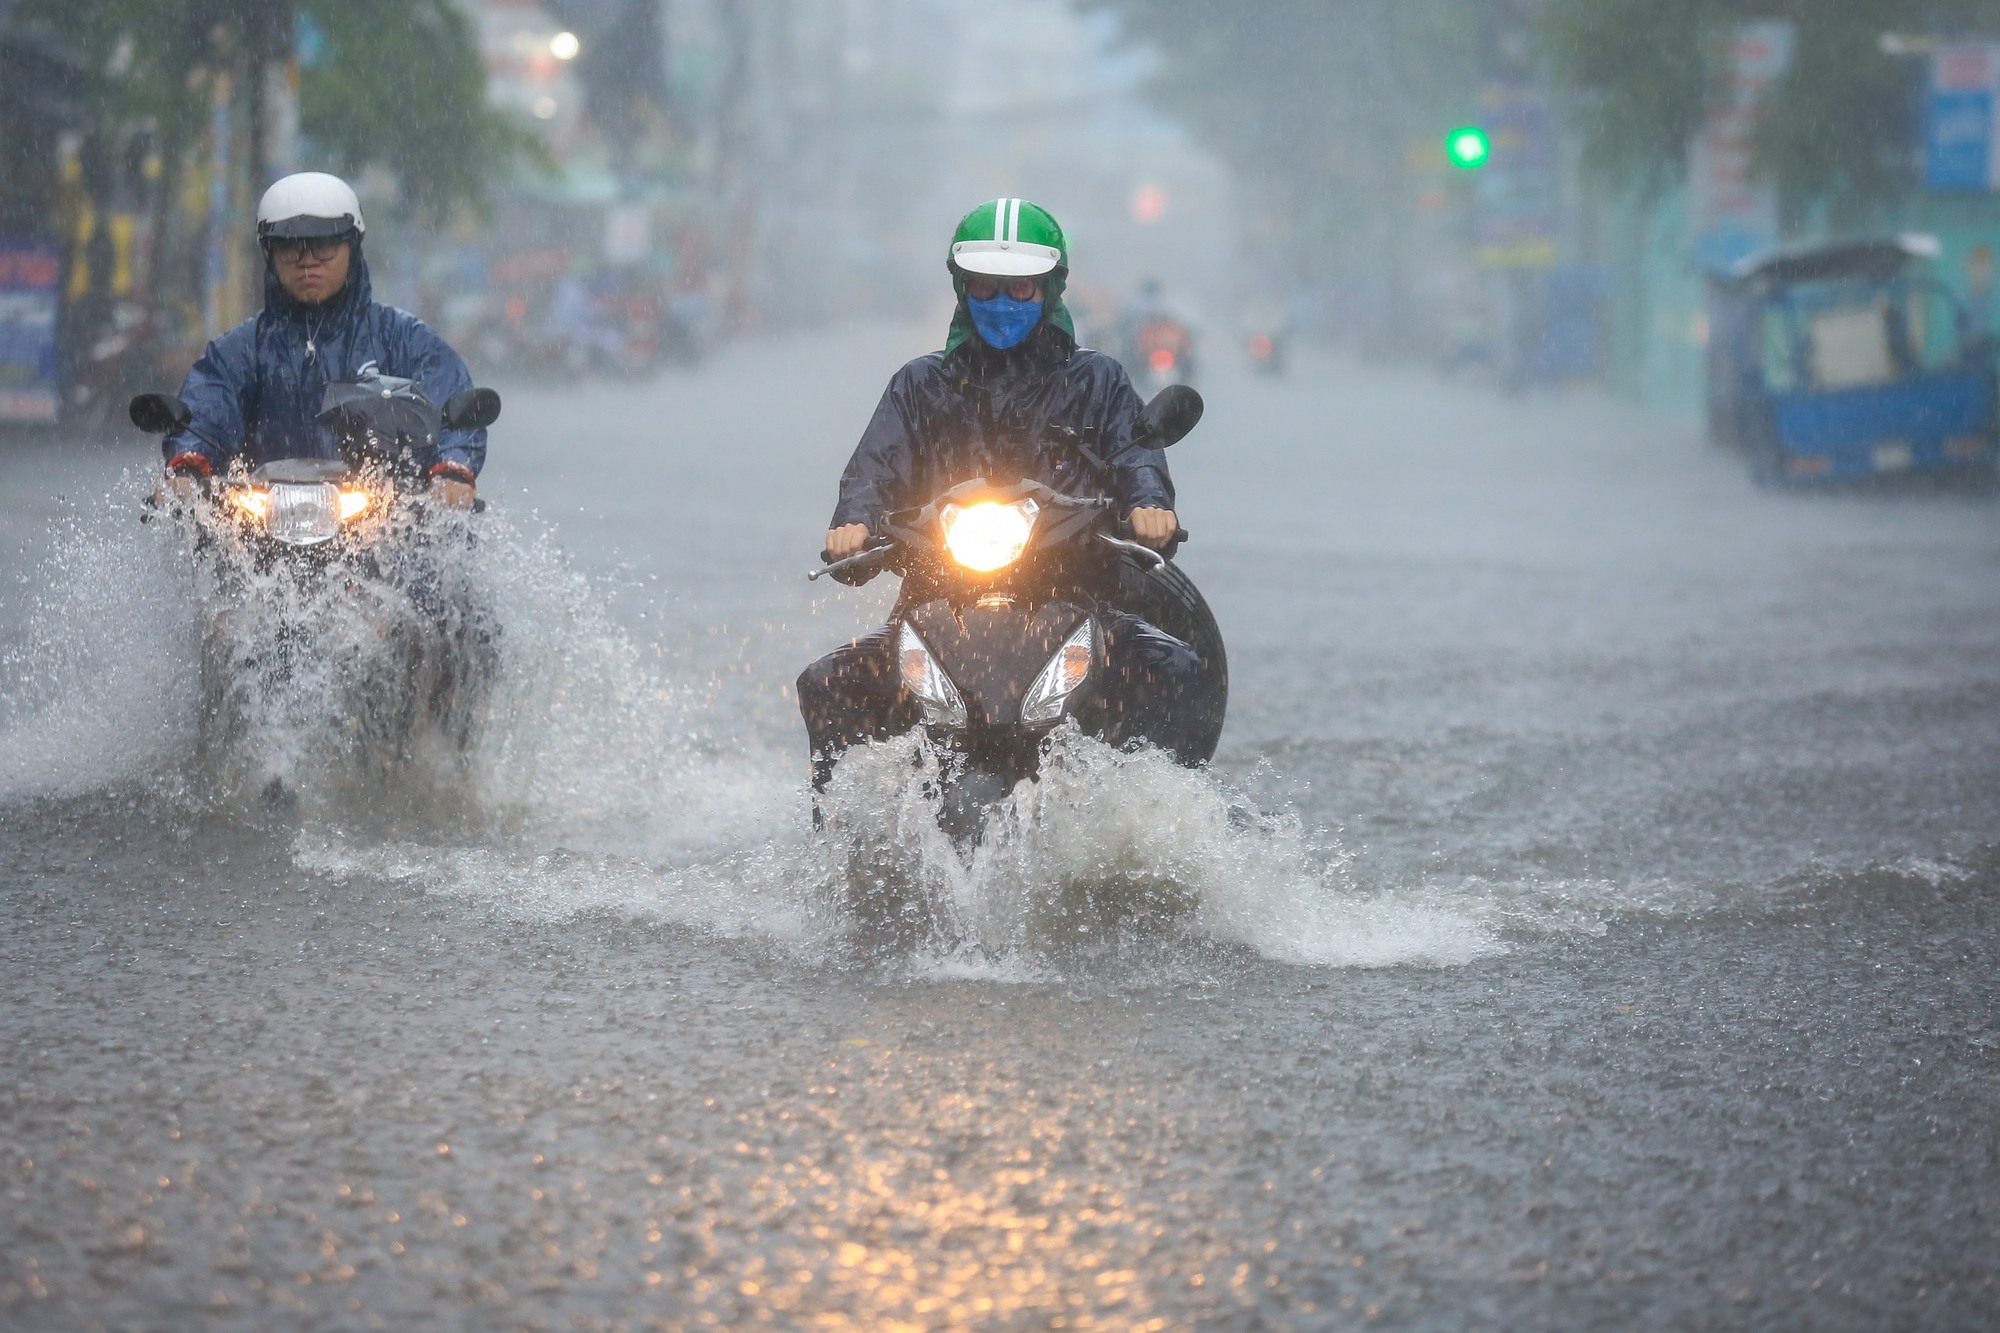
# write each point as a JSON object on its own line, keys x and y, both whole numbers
{"x": 256, "y": 392}
{"x": 1011, "y": 376}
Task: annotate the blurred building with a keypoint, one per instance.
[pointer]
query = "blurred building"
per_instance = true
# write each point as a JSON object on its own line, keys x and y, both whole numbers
{"x": 807, "y": 159}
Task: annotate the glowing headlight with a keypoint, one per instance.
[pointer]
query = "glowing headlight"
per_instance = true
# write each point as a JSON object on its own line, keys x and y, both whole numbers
{"x": 303, "y": 514}
{"x": 353, "y": 504}
{"x": 988, "y": 535}
{"x": 1060, "y": 678}
{"x": 926, "y": 681}
{"x": 254, "y": 505}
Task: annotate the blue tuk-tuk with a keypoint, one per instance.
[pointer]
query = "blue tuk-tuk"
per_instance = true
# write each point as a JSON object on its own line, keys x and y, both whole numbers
{"x": 1847, "y": 360}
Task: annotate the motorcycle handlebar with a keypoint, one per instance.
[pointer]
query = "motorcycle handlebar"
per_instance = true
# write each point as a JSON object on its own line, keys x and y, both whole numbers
{"x": 885, "y": 547}
{"x": 849, "y": 564}
{"x": 212, "y": 489}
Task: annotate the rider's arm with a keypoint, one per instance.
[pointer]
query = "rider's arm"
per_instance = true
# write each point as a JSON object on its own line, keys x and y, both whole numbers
{"x": 418, "y": 353}
{"x": 879, "y": 475}
{"x": 217, "y": 391}
{"x": 1139, "y": 477}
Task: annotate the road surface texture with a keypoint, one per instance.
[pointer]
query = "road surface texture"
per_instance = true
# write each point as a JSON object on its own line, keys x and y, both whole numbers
{"x": 1589, "y": 921}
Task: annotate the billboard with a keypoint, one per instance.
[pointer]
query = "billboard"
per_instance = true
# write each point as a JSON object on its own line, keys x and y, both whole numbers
{"x": 1962, "y": 136}
{"x": 30, "y": 277}
{"x": 1731, "y": 213}
{"x": 1517, "y": 190}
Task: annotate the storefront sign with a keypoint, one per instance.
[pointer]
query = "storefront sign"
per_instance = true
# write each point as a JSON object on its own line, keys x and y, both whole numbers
{"x": 1731, "y": 213}
{"x": 1962, "y": 140}
{"x": 29, "y": 304}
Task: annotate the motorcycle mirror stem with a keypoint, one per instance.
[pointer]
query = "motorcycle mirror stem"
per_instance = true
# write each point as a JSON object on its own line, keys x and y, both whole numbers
{"x": 1174, "y": 411}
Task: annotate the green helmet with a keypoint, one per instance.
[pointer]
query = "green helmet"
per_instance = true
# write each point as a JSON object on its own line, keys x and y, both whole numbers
{"x": 1009, "y": 238}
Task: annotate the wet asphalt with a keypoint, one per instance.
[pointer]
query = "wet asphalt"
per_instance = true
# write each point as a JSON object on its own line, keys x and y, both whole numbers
{"x": 1706, "y": 775}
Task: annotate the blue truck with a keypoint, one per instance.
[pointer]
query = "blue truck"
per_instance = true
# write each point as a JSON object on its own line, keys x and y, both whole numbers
{"x": 1847, "y": 360}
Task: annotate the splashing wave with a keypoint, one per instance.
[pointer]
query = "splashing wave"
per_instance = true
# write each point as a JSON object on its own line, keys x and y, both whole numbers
{"x": 584, "y": 742}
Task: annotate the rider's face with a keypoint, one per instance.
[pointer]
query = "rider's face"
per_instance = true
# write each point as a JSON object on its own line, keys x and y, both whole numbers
{"x": 308, "y": 278}
{"x": 984, "y": 287}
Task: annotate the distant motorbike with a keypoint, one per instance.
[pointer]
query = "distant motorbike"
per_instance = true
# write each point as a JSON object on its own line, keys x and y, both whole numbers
{"x": 1267, "y": 353}
{"x": 998, "y": 643}
{"x": 321, "y": 572}
{"x": 1161, "y": 353}
{"x": 120, "y": 358}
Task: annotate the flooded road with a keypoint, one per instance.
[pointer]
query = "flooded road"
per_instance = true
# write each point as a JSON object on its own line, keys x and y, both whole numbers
{"x": 1589, "y": 922}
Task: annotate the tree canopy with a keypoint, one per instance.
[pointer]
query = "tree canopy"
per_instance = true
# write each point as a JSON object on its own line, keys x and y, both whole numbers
{"x": 397, "y": 83}
{"x": 1316, "y": 105}
{"x": 1841, "y": 128}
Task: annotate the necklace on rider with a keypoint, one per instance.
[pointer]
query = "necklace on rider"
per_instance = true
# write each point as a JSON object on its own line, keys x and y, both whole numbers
{"x": 312, "y": 333}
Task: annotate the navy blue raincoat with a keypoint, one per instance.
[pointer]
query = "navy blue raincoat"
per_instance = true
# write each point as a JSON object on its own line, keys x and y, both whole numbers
{"x": 256, "y": 390}
{"x": 973, "y": 412}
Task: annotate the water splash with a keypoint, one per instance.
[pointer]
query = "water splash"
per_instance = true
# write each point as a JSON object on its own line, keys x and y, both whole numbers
{"x": 101, "y": 686}
{"x": 585, "y": 741}
{"x": 153, "y": 659}
{"x": 1111, "y": 843}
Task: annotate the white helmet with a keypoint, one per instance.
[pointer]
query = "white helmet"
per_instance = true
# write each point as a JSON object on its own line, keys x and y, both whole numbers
{"x": 307, "y": 204}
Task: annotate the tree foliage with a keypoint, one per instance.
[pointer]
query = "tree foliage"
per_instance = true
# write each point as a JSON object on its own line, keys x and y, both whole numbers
{"x": 1316, "y": 105}
{"x": 1840, "y": 129}
{"x": 400, "y": 84}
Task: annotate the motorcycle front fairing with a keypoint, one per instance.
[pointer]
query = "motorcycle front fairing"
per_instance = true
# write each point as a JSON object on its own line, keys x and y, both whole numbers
{"x": 993, "y": 650}
{"x": 1018, "y": 644}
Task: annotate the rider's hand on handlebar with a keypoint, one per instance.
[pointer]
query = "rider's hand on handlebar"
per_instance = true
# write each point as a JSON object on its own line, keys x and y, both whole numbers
{"x": 452, "y": 493}
{"x": 846, "y": 541}
{"x": 1154, "y": 527}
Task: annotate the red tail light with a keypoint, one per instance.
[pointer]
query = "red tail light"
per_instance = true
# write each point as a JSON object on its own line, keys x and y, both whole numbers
{"x": 1162, "y": 360}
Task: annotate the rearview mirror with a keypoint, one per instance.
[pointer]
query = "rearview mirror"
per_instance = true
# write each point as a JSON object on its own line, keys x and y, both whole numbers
{"x": 1170, "y": 416}
{"x": 472, "y": 409}
{"x": 158, "y": 413}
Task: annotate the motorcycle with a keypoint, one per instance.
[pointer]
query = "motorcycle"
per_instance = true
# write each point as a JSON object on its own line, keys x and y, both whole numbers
{"x": 1162, "y": 354}
{"x": 998, "y": 638}
{"x": 118, "y": 359}
{"x": 330, "y": 610}
{"x": 1267, "y": 353}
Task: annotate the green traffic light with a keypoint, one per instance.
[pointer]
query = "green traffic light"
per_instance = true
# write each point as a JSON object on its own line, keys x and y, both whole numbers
{"x": 1468, "y": 147}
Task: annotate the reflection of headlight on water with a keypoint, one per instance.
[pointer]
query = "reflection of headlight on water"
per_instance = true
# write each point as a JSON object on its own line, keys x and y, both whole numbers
{"x": 988, "y": 535}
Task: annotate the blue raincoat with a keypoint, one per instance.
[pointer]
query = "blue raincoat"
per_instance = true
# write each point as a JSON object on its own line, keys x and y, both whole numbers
{"x": 256, "y": 390}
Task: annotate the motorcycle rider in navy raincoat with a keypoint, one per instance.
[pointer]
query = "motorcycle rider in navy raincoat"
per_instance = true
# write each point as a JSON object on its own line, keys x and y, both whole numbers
{"x": 255, "y": 393}
{"x": 1010, "y": 379}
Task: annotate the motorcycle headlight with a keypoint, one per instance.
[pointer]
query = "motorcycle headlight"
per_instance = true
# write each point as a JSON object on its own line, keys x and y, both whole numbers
{"x": 303, "y": 514}
{"x": 989, "y": 535}
{"x": 926, "y": 681}
{"x": 254, "y": 505}
{"x": 1067, "y": 670}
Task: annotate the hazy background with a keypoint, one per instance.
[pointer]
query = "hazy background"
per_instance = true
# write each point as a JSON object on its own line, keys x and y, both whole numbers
{"x": 622, "y": 184}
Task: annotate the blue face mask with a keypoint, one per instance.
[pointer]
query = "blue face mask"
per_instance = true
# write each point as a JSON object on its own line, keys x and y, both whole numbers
{"x": 1004, "y": 322}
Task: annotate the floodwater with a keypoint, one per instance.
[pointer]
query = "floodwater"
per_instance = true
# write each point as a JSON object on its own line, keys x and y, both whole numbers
{"x": 1589, "y": 921}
